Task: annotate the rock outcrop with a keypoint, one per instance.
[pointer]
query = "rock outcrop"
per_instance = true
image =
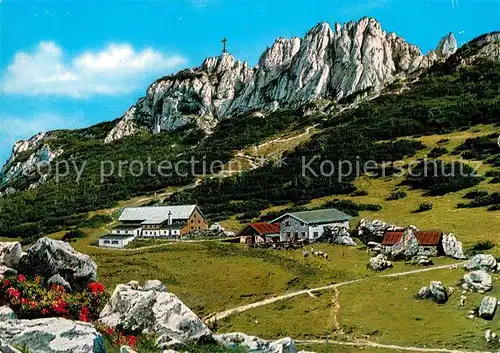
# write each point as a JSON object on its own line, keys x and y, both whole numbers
{"x": 54, "y": 335}
{"x": 41, "y": 154}
{"x": 10, "y": 254}
{"x": 374, "y": 230}
{"x": 452, "y": 247}
{"x": 435, "y": 291}
{"x": 333, "y": 63}
{"x": 154, "y": 311}
{"x": 49, "y": 257}
{"x": 481, "y": 262}
{"x": 479, "y": 281}
{"x": 255, "y": 344}
{"x": 487, "y": 308}
{"x": 379, "y": 263}
{"x": 337, "y": 235}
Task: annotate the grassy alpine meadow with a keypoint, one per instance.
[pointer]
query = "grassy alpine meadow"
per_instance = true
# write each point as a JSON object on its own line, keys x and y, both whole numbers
{"x": 382, "y": 310}
{"x": 212, "y": 276}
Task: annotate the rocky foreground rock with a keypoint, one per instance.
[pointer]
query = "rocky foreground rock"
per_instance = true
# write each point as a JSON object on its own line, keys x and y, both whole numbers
{"x": 49, "y": 257}
{"x": 10, "y": 254}
{"x": 151, "y": 309}
{"x": 52, "y": 335}
{"x": 255, "y": 344}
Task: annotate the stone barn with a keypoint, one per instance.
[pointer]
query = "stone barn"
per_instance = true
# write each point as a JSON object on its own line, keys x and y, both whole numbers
{"x": 430, "y": 243}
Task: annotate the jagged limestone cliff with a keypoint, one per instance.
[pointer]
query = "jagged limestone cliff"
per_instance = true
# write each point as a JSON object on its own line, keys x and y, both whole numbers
{"x": 326, "y": 63}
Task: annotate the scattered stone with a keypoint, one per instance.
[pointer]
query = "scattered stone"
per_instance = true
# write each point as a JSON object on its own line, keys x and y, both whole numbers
{"x": 481, "y": 262}
{"x": 487, "y": 308}
{"x": 379, "y": 263}
{"x": 156, "y": 312}
{"x": 479, "y": 281}
{"x": 7, "y": 271}
{"x": 6, "y": 313}
{"x": 52, "y": 335}
{"x": 471, "y": 316}
{"x": 48, "y": 257}
{"x": 10, "y": 254}
{"x": 154, "y": 285}
{"x": 256, "y": 344}
{"x": 435, "y": 291}
{"x": 452, "y": 247}
{"x": 57, "y": 279}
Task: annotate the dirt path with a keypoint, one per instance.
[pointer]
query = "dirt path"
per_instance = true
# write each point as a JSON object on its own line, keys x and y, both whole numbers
{"x": 336, "y": 309}
{"x": 365, "y": 343}
{"x": 240, "y": 309}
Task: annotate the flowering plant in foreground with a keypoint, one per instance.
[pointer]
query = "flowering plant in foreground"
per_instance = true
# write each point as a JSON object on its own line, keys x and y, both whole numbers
{"x": 116, "y": 337}
{"x": 30, "y": 299}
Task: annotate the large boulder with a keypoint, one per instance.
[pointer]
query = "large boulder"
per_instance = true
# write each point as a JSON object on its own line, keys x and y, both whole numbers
{"x": 254, "y": 344}
{"x": 374, "y": 230}
{"x": 487, "y": 308}
{"x": 10, "y": 254}
{"x": 151, "y": 309}
{"x": 482, "y": 262}
{"x": 337, "y": 235}
{"x": 452, "y": 247}
{"x": 407, "y": 247}
{"x": 49, "y": 257}
{"x": 479, "y": 281}
{"x": 53, "y": 335}
{"x": 435, "y": 291}
{"x": 379, "y": 263}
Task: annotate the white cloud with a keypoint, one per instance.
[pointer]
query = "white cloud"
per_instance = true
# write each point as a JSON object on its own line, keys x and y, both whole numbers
{"x": 116, "y": 69}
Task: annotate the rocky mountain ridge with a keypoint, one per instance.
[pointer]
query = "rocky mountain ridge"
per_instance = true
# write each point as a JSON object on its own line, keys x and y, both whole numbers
{"x": 328, "y": 63}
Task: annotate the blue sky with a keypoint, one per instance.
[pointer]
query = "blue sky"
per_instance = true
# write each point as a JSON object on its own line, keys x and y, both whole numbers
{"x": 66, "y": 64}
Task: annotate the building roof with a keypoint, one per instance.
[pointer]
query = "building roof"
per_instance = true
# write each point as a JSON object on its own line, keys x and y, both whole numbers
{"x": 263, "y": 228}
{"x": 156, "y": 214}
{"x": 424, "y": 238}
{"x": 116, "y": 236}
{"x": 127, "y": 226}
{"x": 317, "y": 216}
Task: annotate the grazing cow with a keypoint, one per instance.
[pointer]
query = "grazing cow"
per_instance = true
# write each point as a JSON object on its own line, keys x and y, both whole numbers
{"x": 316, "y": 253}
{"x": 320, "y": 253}
{"x": 305, "y": 253}
{"x": 325, "y": 255}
